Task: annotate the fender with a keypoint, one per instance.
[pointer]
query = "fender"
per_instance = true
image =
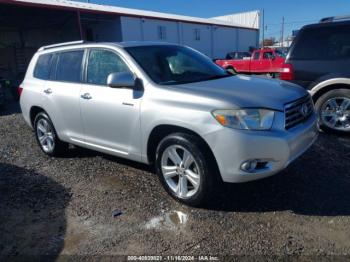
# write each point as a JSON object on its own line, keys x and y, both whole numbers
{"x": 328, "y": 82}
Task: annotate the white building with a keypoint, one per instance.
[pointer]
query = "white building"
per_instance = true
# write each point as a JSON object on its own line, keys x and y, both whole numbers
{"x": 29, "y": 24}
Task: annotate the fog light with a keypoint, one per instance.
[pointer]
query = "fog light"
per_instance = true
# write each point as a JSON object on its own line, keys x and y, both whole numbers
{"x": 249, "y": 165}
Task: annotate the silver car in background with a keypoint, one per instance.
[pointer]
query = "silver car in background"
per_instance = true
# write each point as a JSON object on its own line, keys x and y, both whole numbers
{"x": 166, "y": 105}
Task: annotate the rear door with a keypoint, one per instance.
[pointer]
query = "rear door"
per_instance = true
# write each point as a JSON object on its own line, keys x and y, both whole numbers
{"x": 267, "y": 62}
{"x": 319, "y": 51}
{"x": 62, "y": 93}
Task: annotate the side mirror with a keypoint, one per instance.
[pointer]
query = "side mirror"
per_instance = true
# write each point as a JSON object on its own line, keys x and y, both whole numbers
{"x": 120, "y": 80}
{"x": 273, "y": 57}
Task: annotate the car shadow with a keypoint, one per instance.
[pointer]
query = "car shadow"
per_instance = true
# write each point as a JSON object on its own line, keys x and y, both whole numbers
{"x": 32, "y": 217}
{"x": 80, "y": 152}
{"x": 317, "y": 184}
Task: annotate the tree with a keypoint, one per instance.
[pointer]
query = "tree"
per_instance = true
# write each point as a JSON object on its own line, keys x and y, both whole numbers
{"x": 269, "y": 41}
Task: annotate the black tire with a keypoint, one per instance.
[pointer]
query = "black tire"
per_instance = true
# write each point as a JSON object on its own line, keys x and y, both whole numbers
{"x": 271, "y": 75}
{"x": 231, "y": 70}
{"x": 59, "y": 147}
{"x": 207, "y": 172}
{"x": 336, "y": 93}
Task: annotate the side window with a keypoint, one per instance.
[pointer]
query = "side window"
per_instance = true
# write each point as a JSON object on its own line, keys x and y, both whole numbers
{"x": 256, "y": 55}
{"x": 69, "y": 66}
{"x": 54, "y": 60}
{"x": 162, "y": 32}
{"x": 339, "y": 45}
{"x": 328, "y": 43}
{"x": 268, "y": 55}
{"x": 230, "y": 56}
{"x": 197, "y": 34}
{"x": 42, "y": 67}
{"x": 101, "y": 63}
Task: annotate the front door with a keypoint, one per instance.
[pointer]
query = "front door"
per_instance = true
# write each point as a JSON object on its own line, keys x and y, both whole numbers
{"x": 111, "y": 116}
{"x": 255, "y": 63}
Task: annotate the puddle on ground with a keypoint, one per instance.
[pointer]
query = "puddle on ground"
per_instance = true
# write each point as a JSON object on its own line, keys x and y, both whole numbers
{"x": 168, "y": 221}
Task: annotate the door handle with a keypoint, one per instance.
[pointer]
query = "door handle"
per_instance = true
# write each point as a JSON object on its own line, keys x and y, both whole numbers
{"x": 48, "y": 91}
{"x": 86, "y": 96}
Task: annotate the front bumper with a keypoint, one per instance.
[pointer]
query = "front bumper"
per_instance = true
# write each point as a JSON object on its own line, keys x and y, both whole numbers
{"x": 277, "y": 147}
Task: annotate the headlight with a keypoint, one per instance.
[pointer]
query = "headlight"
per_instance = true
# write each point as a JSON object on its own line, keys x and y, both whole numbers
{"x": 250, "y": 119}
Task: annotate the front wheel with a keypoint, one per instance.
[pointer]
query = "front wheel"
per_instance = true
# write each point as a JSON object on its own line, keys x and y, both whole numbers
{"x": 333, "y": 110}
{"x": 183, "y": 169}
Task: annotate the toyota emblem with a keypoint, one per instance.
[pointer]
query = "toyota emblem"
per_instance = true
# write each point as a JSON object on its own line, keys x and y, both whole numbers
{"x": 304, "y": 110}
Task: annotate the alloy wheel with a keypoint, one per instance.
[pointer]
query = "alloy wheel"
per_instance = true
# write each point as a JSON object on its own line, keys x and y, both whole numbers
{"x": 45, "y": 135}
{"x": 335, "y": 113}
{"x": 180, "y": 171}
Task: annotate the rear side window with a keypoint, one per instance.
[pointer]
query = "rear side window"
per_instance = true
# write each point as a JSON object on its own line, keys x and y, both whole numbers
{"x": 256, "y": 55}
{"x": 230, "y": 56}
{"x": 42, "y": 67}
{"x": 69, "y": 66}
{"x": 328, "y": 43}
{"x": 101, "y": 63}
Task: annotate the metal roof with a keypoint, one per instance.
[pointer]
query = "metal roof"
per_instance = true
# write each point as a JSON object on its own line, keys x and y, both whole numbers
{"x": 88, "y": 7}
{"x": 248, "y": 19}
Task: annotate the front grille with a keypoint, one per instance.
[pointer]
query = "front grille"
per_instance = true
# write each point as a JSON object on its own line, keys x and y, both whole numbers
{"x": 298, "y": 112}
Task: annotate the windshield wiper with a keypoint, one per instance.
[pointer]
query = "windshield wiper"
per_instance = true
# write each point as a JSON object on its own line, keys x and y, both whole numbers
{"x": 216, "y": 77}
{"x": 170, "y": 82}
{"x": 179, "y": 82}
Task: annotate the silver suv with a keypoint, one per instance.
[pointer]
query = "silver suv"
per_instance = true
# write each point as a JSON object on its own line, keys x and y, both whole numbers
{"x": 166, "y": 105}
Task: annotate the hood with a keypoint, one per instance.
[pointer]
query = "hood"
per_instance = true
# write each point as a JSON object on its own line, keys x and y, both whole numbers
{"x": 245, "y": 91}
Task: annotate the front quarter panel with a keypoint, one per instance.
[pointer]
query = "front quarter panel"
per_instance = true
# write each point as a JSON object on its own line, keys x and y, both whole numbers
{"x": 164, "y": 107}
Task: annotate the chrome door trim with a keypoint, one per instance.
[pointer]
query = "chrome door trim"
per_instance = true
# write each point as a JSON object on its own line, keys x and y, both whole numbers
{"x": 100, "y": 147}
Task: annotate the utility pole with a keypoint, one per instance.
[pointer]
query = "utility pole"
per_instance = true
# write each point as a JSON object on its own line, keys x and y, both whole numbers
{"x": 263, "y": 28}
{"x": 282, "y": 32}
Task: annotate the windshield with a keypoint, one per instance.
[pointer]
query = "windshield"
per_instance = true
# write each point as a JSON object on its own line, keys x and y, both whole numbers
{"x": 172, "y": 65}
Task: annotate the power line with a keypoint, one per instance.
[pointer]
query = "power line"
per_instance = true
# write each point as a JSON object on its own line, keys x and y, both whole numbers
{"x": 294, "y": 22}
{"x": 273, "y": 33}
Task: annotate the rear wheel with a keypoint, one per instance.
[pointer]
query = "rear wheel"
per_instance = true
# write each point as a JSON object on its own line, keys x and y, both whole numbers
{"x": 231, "y": 70}
{"x": 272, "y": 75}
{"x": 333, "y": 110}
{"x": 46, "y": 136}
{"x": 183, "y": 169}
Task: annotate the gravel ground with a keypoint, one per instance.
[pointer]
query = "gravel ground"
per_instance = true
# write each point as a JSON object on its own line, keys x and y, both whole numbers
{"x": 63, "y": 206}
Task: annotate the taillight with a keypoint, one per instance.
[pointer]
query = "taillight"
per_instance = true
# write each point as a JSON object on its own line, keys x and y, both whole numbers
{"x": 287, "y": 72}
{"x": 19, "y": 90}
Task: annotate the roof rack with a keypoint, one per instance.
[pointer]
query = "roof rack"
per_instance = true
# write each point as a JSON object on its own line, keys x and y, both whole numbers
{"x": 62, "y": 44}
{"x": 335, "y": 18}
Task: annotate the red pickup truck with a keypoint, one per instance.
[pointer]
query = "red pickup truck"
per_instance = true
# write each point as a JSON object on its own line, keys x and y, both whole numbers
{"x": 263, "y": 61}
